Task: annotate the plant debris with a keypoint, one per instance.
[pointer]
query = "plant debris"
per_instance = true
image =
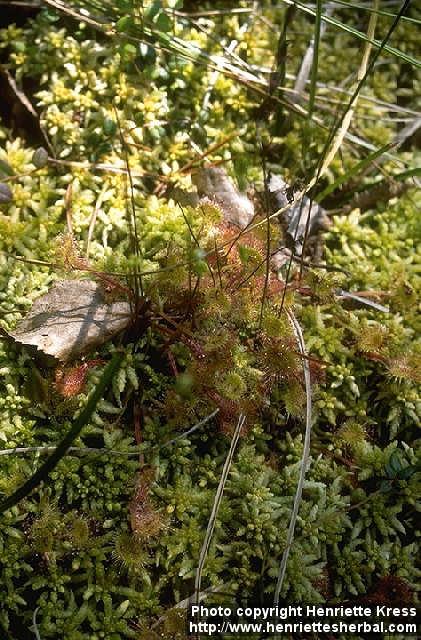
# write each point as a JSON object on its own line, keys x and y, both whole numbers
{"x": 71, "y": 319}
{"x": 215, "y": 184}
{"x": 300, "y": 216}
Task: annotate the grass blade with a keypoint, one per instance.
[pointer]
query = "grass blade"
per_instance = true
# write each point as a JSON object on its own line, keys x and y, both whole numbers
{"x": 358, "y": 34}
{"x": 380, "y": 12}
{"x": 304, "y": 459}
{"x": 42, "y": 473}
{"x": 218, "y": 497}
{"x": 34, "y": 624}
{"x": 355, "y": 170}
{"x": 315, "y": 64}
{"x": 306, "y": 65}
{"x": 338, "y": 133}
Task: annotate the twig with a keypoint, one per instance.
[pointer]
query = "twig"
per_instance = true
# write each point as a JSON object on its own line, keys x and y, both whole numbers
{"x": 68, "y": 209}
{"x": 25, "y": 102}
{"x": 304, "y": 458}
{"x": 93, "y": 166}
{"x": 201, "y": 156}
{"x": 320, "y": 265}
{"x": 80, "y": 450}
{"x": 408, "y": 131}
{"x": 84, "y": 17}
{"x": 207, "y": 14}
{"x": 86, "y": 450}
{"x": 131, "y": 212}
{"x": 35, "y": 4}
{"x": 192, "y": 429}
{"x": 268, "y": 235}
{"x": 381, "y": 105}
{"x": 382, "y": 191}
{"x": 17, "y": 176}
{"x": 41, "y": 263}
{"x": 362, "y": 300}
{"x": 92, "y": 221}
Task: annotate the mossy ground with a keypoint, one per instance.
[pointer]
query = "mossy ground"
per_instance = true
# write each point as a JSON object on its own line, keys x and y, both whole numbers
{"x": 111, "y": 542}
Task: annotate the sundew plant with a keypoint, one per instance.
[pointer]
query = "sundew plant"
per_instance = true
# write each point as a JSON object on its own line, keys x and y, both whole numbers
{"x": 209, "y": 343}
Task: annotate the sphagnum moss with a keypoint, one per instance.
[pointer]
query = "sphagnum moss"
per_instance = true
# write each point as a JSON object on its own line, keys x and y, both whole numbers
{"x": 70, "y": 551}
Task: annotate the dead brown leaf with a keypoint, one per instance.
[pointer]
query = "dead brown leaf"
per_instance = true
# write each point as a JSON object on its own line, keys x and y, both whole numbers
{"x": 215, "y": 184}
{"x": 73, "y": 318}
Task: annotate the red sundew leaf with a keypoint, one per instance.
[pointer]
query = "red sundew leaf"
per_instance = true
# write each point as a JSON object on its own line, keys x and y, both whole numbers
{"x": 71, "y": 382}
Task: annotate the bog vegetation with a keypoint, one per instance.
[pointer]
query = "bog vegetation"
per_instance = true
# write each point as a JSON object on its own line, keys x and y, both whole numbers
{"x": 209, "y": 266}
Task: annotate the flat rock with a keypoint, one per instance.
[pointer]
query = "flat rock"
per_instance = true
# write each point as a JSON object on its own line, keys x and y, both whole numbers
{"x": 72, "y": 318}
{"x": 215, "y": 184}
